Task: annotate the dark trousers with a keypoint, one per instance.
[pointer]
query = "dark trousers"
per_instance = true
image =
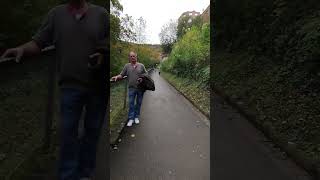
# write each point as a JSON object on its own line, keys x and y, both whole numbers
{"x": 135, "y": 101}
{"x": 78, "y": 154}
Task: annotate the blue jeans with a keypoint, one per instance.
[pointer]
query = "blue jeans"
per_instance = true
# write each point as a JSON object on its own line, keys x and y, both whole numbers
{"x": 135, "y": 101}
{"x": 78, "y": 155}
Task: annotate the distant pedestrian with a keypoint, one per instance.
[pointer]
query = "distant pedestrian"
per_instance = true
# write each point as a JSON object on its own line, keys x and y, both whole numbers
{"x": 133, "y": 70}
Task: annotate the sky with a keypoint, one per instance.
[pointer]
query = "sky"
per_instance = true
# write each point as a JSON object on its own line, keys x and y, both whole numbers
{"x": 159, "y": 12}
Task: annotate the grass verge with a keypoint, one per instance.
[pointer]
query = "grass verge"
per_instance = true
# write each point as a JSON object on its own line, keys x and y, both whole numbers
{"x": 199, "y": 96}
{"x": 118, "y": 113}
{"x": 23, "y": 103}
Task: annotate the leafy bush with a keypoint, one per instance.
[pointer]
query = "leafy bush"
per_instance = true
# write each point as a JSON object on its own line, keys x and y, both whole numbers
{"x": 190, "y": 55}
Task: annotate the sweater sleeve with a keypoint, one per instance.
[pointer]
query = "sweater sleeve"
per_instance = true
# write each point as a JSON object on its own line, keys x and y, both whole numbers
{"x": 124, "y": 71}
{"x": 44, "y": 35}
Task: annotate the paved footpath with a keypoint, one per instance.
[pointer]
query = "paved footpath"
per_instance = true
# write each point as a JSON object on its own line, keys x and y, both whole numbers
{"x": 172, "y": 141}
{"x": 240, "y": 152}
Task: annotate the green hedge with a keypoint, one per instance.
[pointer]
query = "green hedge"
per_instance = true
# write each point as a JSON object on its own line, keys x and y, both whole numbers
{"x": 190, "y": 56}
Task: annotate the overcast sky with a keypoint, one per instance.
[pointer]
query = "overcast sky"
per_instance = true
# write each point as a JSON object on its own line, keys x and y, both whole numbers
{"x": 159, "y": 12}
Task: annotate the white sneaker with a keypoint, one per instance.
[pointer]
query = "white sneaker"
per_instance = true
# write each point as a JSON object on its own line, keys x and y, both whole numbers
{"x": 130, "y": 123}
{"x": 136, "y": 120}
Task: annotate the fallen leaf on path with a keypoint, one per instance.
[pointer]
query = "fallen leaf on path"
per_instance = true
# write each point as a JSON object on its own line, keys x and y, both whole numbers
{"x": 283, "y": 156}
{"x": 2, "y": 157}
{"x": 240, "y": 102}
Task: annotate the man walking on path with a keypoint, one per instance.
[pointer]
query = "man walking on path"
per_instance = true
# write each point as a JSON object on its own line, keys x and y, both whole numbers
{"x": 78, "y": 30}
{"x": 133, "y": 70}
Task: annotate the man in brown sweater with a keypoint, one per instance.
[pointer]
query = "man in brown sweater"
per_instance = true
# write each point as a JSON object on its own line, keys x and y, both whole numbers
{"x": 133, "y": 70}
{"x": 76, "y": 29}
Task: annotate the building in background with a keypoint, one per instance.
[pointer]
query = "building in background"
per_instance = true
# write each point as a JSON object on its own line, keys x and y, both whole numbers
{"x": 192, "y": 18}
{"x": 206, "y": 15}
{"x": 185, "y": 22}
{"x": 188, "y": 16}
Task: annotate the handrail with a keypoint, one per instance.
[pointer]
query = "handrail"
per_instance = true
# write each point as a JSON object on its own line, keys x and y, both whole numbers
{"x": 123, "y": 78}
{"x": 6, "y": 59}
{"x": 46, "y": 49}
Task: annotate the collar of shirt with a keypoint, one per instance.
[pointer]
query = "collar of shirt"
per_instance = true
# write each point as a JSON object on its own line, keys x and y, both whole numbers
{"x": 134, "y": 65}
{"x": 73, "y": 9}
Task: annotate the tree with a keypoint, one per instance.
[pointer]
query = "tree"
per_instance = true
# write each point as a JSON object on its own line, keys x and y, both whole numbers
{"x": 127, "y": 32}
{"x": 116, "y": 34}
{"x": 116, "y": 4}
{"x": 185, "y": 23}
{"x": 168, "y": 35}
{"x": 140, "y": 30}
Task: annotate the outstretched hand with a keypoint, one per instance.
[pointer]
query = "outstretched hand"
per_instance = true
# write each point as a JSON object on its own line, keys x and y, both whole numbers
{"x": 15, "y": 52}
{"x": 114, "y": 78}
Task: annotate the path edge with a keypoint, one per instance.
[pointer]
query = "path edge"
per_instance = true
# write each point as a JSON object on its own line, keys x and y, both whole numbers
{"x": 297, "y": 156}
{"x": 121, "y": 129}
{"x": 207, "y": 115}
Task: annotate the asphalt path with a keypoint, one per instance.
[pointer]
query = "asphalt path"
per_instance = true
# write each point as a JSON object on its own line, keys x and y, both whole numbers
{"x": 172, "y": 141}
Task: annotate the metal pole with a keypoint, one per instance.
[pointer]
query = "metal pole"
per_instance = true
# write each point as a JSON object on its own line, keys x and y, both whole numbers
{"x": 125, "y": 94}
{"x": 50, "y": 101}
